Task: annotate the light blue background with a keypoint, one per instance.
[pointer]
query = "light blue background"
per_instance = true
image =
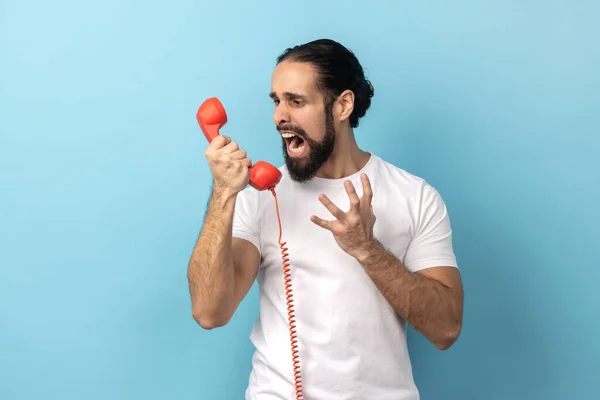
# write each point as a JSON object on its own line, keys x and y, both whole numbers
{"x": 104, "y": 183}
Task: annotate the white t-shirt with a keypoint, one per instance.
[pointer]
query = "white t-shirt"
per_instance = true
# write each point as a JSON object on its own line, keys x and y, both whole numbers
{"x": 351, "y": 343}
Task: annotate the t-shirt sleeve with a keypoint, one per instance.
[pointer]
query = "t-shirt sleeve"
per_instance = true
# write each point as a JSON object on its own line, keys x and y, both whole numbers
{"x": 245, "y": 217}
{"x": 431, "y": 244}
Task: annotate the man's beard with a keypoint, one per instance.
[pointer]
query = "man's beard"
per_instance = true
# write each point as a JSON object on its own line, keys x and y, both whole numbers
{"x": 303, "y": 169}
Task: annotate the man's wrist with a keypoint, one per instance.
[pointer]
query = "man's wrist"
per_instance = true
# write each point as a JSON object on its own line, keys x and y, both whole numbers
{"x": 224, "y": 194}
{"x": 223, "y": 199}
{"x": 368, "y": 252}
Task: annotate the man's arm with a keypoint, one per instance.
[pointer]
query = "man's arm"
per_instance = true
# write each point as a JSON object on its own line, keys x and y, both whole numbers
{"x": 431, "y": 300}
{"x": 221, "y": 269}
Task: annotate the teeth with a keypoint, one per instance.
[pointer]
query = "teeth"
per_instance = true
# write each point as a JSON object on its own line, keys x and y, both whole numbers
{"x": 287, "y": 135}
{"x": 298, "y": 149}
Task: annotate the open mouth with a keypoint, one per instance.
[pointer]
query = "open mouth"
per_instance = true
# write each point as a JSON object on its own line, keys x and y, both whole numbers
{"x": 295, "y": 144}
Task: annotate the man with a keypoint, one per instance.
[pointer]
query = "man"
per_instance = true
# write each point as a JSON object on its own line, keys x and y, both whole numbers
{"x": 369, "y": 245}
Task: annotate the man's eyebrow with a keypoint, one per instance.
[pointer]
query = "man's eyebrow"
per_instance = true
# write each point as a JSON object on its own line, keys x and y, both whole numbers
{"x": 289, "y": 95}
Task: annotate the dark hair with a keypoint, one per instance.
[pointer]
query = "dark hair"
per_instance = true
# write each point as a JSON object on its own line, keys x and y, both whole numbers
{"x": 338, "y": 70}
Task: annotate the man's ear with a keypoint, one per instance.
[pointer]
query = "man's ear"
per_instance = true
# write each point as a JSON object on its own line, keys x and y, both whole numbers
{"x": 344, "y": 105}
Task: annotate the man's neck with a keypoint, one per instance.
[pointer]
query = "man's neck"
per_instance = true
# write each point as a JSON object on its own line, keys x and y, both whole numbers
{"x": 347, "y": 159}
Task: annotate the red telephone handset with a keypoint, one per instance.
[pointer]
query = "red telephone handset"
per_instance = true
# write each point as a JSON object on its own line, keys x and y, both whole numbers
{"x": 211, "y": 117}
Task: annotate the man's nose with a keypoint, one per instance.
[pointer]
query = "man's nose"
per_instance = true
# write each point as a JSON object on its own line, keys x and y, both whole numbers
{"x": 281, "y": 115}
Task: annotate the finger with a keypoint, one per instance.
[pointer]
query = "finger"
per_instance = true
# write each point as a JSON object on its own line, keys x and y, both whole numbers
{"x": 321, "y": 222}
{"x": 333, "y": 209}
{"x": 367, "y": 190}
{"x": 219, "y": 142}
{"x": 238, "y": 154}
{"x": 246, "y": 161}
{"x": 231, "y": 147}
{"x": 354, "y": 200}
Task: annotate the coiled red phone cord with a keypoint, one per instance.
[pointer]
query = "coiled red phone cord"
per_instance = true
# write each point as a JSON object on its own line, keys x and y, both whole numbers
{"x": 290, "y": 305}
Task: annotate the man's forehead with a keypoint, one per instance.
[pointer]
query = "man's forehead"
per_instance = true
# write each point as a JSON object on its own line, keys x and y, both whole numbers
{"x": 293, "y": 78}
